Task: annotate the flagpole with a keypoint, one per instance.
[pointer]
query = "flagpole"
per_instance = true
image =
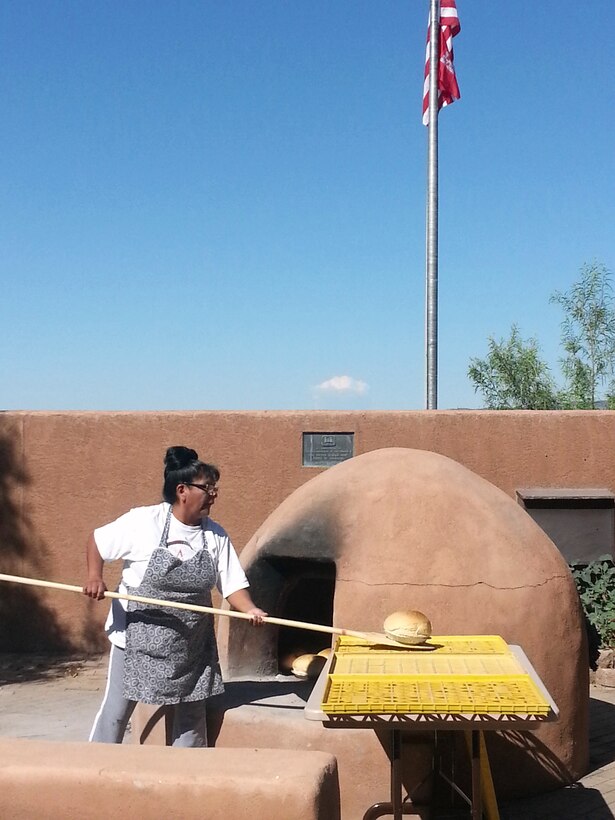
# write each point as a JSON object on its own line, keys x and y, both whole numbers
{"x": 431, "y": 238}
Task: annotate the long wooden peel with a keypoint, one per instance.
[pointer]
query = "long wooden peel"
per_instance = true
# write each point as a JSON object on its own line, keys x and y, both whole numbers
{"x": 372, "y": 637}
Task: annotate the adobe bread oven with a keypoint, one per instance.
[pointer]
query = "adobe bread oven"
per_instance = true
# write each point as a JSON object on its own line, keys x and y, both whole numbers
{"x": 409, "y": 529}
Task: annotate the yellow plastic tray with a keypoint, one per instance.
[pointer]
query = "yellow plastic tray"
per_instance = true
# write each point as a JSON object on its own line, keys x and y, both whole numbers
{"x": 441, "y": 694}
{"x": 467, "y": 674}
{"x": 437, "y": 645}
{"x": 406, "y": 663}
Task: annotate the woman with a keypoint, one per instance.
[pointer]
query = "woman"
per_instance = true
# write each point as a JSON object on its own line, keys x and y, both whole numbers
{"x": 171, "y": 551}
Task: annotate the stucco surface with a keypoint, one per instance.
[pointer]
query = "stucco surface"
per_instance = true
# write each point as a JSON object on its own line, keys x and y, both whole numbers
{"x": 410, "y": 529}
{"x": 245, "y": 713}
{"x": 95, "y": 781}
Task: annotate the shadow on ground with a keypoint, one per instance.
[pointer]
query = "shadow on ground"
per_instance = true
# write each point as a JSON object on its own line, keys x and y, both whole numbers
{"x": 578, "y": 800}
{"x": 601, "y": 733}
{"x": 27, "y": 668}
{"x": 574, "y": 801}
{"x": 265, "y": 694}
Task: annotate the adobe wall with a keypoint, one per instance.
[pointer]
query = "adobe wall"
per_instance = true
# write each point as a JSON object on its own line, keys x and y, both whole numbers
{"x": 62, "y": 474}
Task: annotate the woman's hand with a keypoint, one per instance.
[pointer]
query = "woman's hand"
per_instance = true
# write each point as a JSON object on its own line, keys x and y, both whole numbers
{"x": 242, "y": 601}
{"x": 95, "y": 588}
{"x": 256, "y": 616}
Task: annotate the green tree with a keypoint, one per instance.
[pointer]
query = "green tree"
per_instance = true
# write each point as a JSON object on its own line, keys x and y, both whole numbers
{"x": 513, "y": 376}
{"x": 588, "y": 337}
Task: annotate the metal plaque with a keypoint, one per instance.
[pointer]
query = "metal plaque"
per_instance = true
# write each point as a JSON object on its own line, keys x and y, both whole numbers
{"x": 327, "y": 449}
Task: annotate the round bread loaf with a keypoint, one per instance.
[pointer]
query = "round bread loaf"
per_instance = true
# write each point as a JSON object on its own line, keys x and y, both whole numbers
{"x": 308, "y": 666}
{"x": 286, "y": 661}
{"x": 411, "y": 627}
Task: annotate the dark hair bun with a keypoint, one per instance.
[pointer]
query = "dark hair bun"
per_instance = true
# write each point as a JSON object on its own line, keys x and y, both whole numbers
{"x": 178, "y": 457}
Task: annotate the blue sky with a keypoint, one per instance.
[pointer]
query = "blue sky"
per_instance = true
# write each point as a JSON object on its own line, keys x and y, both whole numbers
{"x": 221, "y": 205}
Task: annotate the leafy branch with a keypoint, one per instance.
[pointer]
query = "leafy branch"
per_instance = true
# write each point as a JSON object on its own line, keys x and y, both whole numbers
{"x": 513, "y": 376}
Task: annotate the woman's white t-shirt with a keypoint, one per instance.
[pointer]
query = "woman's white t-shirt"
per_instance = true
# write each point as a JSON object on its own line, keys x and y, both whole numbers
{"x": 136, "y": 534}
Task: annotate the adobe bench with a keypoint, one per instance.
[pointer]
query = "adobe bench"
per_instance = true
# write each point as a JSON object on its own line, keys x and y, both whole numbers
{"x": 94, "y": 780}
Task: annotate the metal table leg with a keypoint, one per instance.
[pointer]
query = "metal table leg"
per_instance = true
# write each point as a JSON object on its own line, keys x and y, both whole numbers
{"x": 394, "y": 807}
{"x": 477, "y": 802}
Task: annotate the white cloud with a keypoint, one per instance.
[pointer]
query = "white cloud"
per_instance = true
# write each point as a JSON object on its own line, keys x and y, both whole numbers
{"x": 343, "y": 384}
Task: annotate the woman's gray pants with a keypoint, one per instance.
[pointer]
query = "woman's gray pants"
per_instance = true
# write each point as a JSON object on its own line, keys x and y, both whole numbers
{"x": 189, "y": 728}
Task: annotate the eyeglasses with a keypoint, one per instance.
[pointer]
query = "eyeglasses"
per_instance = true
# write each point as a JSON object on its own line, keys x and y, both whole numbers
{"x": 210, "y": 489}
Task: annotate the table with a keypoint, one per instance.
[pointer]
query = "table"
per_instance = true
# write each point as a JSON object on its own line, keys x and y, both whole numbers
{"x": 471, "y": 683}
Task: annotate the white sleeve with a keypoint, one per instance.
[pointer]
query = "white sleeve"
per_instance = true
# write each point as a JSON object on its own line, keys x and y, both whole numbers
{"x": 116, "y": 540}
{"x": 231, "y": 576}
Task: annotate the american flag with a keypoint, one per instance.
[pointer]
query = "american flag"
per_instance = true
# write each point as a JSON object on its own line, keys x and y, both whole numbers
{"x": 448, "y": 90}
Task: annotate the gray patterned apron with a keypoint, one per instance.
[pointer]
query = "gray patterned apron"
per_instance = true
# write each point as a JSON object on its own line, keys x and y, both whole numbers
{"x": 171, "y": 654}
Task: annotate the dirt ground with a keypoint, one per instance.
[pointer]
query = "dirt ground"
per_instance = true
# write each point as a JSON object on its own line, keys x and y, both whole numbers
{"x": 50, "y": 698}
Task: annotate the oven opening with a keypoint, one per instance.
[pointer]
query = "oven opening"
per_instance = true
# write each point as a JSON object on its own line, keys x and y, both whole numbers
{"x": 306, "y": 594}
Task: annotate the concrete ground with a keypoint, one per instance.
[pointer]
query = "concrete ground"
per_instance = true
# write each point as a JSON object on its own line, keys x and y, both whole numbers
{"x": 56, "y": 699}
{"x": 50, "y": 699}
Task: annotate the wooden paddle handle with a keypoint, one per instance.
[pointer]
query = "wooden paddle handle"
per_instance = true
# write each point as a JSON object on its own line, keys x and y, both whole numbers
{"x": 229, "y": 613}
